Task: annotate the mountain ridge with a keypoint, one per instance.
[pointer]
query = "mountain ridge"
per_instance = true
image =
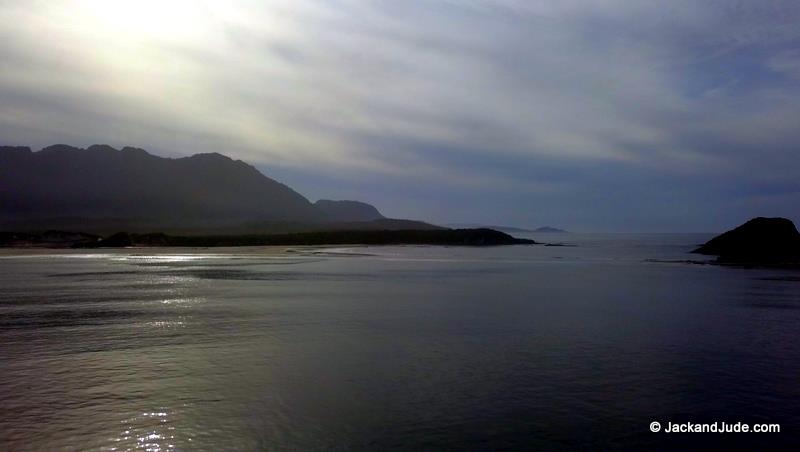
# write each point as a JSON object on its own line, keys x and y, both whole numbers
{"x": 103, "y": 189}
{"x": 347, "y": 210}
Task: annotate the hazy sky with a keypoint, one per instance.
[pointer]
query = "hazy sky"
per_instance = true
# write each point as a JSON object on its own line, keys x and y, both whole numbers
{"x": 590, "y": 115}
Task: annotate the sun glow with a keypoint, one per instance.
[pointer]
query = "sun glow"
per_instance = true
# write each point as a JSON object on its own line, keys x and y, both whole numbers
{"x": 173, "y": 20}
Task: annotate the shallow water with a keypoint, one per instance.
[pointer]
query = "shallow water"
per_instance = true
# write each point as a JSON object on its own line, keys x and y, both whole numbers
{"x": 517, "y": 347}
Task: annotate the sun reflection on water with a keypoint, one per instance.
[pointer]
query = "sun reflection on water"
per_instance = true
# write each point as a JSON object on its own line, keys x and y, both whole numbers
{"x": 150, "y": 431}
{"x": 182, "y": 302}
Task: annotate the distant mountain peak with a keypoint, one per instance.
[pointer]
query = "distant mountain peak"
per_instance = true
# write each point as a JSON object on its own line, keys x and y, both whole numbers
{"x": 212, "y": 156}
{"x": 135, "y": 151}
{"x": 58, "y": 148}
{"x": 101, "y": 148}
{"x": 95, "y": 149}
{"x": 346, "y": 210}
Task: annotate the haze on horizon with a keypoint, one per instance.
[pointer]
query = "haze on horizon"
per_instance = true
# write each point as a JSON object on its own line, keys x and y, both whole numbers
{"x": 603, "y": 115}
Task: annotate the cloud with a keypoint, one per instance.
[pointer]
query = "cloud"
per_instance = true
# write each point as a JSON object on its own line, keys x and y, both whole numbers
{"x": 699, "y": 92}
{"x": 786, "y": 62}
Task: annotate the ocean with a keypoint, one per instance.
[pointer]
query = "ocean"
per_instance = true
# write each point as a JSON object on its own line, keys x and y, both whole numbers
{"x": 396, "y": 348}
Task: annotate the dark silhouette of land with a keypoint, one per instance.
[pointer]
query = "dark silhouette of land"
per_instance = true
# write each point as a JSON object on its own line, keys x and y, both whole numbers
{"x": 101, "y": 190}
{"x": 344, "y": 211}
{"x": 758, "y": 241}
{"x": 452, "y": 237}
{"x": 548, "y": 229}
{"x": 47, "y": 239}
{"x": 202, "y": 200}
{"x": 509, "y": 229}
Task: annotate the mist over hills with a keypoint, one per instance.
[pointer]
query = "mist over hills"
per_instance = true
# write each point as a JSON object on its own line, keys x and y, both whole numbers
{"x": 104, "y": 189}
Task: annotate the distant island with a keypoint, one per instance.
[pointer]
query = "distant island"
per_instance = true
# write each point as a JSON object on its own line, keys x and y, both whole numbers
{"x": 548, "y": 229}
{"x": 509, "y": 229}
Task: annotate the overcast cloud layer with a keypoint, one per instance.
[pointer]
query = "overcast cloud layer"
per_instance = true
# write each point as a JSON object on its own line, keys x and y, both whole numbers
{"x": 589, "y": 115}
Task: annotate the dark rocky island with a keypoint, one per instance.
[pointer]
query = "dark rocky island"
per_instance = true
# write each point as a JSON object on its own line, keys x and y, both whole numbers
{"x": 760, "y": 241}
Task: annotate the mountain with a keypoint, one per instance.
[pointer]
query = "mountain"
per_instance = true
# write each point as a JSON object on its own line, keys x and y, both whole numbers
{"x": 760, "y": 240}
{"x": 101, "y": 184}
{"x": 548, "y": 229}
{"x": 102, "y": 190}
{"x": 346, "y": 211}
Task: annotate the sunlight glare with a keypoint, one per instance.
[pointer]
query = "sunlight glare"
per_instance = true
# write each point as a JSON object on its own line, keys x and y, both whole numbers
{"x": 148, "y": 19}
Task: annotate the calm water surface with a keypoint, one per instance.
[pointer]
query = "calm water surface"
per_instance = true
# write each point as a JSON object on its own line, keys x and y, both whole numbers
{"x": 376, "y": 348}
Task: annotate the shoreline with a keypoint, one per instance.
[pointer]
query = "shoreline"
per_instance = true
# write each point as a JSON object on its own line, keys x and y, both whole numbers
{"x": 149, "y": 250}
{"x": 440, "y": 237}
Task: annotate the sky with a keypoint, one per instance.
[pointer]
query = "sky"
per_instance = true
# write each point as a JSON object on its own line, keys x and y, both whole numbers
{"x": 591, "y": 115}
